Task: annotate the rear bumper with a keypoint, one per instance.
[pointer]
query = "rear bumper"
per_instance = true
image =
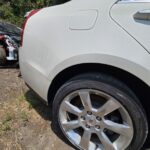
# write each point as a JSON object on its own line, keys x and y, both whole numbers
{"x": 35, "y": 79}
{"x": 40, "y": 98}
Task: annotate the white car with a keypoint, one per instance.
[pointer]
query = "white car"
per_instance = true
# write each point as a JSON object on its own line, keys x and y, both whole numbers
{"x": 91, "y": 60}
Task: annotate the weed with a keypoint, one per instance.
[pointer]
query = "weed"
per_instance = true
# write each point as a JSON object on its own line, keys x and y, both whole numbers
{"x": 6, "y": 127}
{"x": 7, "y": 118}
{"x": 21, "y": 98}
{"x": 6, "y": 123}
{"x": 24, "y": 116}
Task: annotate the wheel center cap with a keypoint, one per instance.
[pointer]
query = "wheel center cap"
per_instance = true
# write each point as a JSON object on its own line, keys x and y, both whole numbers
{"x": 91, "y": 120}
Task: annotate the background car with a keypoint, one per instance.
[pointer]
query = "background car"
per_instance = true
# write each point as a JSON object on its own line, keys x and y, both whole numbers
{"x": 10, "y": 40}
{"x": 90, "y": 59}
{"x": 11, "y": 30}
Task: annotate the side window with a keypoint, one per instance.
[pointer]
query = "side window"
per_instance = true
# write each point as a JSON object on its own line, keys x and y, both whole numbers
{"x": 57, "y": 2}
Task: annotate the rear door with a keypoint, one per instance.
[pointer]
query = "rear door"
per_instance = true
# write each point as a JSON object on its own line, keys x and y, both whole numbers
{"x": 134, "y": 17}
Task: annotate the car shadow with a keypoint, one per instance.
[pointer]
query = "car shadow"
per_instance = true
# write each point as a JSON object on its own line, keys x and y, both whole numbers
{"x": 37, "y": 103}
{"x": 10, "y": 65}
{"x": 45, "y": 112}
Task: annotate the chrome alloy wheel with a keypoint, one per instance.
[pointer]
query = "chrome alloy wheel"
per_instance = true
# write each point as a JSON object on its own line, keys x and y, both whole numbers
{"x": 93, "y": 120}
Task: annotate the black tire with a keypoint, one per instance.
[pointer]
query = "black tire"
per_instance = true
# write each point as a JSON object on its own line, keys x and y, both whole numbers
{"x": 2, "y": 56}
{"x": 113, "y": 87}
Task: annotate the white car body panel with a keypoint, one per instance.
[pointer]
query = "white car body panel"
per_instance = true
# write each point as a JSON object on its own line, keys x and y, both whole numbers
{"x": 139, "y": 29}
{"x": 83, "y": 19}
{"x": 54, "y": 41}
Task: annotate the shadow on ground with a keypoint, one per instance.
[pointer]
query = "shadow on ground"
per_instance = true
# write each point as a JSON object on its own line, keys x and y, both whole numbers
{"x": 10, "y": 65}
{"x": 37, "y": 103}
{"x": 45, "y": 112}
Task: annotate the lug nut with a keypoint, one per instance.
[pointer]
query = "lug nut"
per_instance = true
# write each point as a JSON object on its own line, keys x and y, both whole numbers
{"x": 89, "y": 113}
{"x": 82, "y": 117}
{"x": 98, "y": 118}
{"x": 87, "y": 126}
{"x": 97, "y": 127}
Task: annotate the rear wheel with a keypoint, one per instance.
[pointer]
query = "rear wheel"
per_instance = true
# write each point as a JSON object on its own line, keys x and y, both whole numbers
{"x": 95, "y": 111}
{"x": 2, "y": 56}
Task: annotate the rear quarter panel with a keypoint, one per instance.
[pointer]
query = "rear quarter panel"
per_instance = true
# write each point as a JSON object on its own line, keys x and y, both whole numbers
{"x": 50, "y": 45}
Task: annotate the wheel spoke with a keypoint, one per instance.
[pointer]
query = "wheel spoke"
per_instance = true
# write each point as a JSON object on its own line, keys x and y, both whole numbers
{"x": 108, "y": 145}
{"x": 71, "y": 108}
{"x": 71, "y": 125}
{"x": 118, "y": 128}
{"x": 85, "y": 140}
{"x": 107, "y": 108}
{"x": 95, "y": 120}
{"x": 86, "y": 100}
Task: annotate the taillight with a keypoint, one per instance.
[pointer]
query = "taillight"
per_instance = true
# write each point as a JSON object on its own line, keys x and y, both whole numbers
{"x": 2, "y": 37}
{"x": 30, "y": 14}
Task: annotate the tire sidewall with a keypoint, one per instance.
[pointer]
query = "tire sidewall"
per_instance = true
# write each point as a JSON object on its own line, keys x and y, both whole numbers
{"x": 137, "y": 115}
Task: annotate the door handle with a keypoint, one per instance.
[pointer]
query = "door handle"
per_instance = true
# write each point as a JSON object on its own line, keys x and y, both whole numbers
{"x": 143, "y": 15}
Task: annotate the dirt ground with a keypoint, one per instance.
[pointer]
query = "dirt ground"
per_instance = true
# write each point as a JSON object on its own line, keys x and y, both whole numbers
{"x": 25, "y": 122}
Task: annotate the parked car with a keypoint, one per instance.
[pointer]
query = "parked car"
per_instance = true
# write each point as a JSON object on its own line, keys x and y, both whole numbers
{"x": 10, "y": 40}
{"x": 91, "y": 60}
{"x": 10, "y": 29}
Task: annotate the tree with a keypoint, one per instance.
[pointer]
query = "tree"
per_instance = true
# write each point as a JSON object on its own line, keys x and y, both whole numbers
{"x": 14, "y": 10}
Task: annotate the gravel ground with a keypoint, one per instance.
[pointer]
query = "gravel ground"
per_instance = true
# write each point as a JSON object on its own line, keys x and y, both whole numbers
{"x": 25, "y": 122}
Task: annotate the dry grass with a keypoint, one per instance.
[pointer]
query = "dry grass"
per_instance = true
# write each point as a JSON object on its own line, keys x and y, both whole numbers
{"x": 25, "y": 122}
{"x": 19, "y": 113}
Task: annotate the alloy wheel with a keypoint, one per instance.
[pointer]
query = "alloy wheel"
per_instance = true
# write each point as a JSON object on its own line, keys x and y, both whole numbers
{"x": 94, "y": 120}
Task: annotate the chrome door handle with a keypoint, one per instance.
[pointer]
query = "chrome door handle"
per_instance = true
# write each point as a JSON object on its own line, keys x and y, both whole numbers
{"x": 143, "y": 15}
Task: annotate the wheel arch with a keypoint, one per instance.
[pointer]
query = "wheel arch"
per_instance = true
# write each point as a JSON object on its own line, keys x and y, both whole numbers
{"x": 139, "y": 87}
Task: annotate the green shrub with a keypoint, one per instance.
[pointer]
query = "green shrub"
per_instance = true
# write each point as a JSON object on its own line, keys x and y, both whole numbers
{"x": 13, "y": 11}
